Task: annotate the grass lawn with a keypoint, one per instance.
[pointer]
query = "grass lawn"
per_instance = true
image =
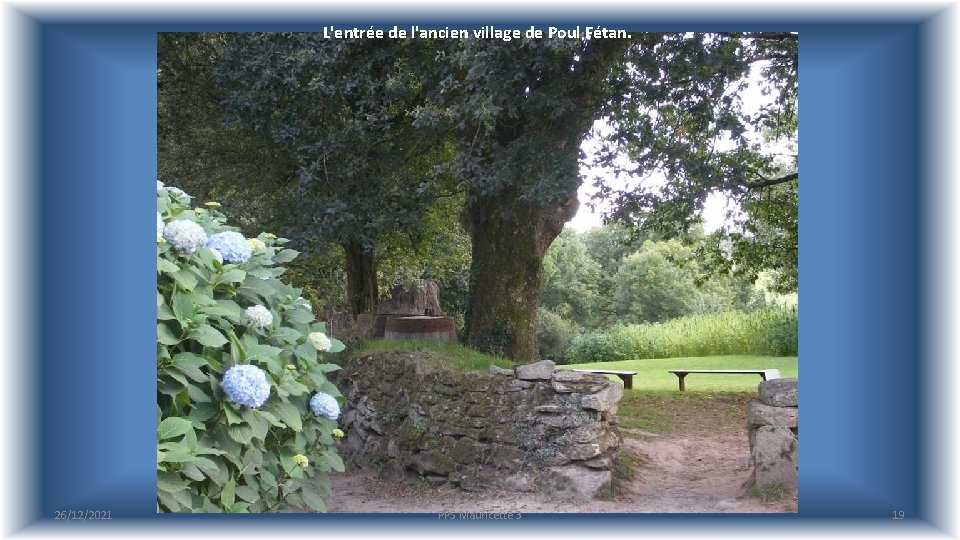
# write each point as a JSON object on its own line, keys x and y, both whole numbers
{"x": 653, "y": 374}
{"x": 448, "y": 354}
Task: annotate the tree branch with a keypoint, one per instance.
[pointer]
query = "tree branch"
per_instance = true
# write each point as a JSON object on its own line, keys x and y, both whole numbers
{"x": 768, "y": 182}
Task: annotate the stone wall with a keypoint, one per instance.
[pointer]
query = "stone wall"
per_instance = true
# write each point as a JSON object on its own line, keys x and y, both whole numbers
{"x": 527, "y": 429}
{"x": 774, "y": 433}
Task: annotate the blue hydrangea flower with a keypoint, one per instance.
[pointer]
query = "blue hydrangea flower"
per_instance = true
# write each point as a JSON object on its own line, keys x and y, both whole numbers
{"x": 258, "y": 316}
{"x": 325, "y": 405}
{"x": 246, "y": 385}
{"x": 159, "y": 225}
{"x": 232, "y": 245}
{"x": 184, "y": 235}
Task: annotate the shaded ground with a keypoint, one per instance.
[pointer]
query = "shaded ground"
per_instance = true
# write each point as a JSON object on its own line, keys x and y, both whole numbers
{"x": 691, "y": 455}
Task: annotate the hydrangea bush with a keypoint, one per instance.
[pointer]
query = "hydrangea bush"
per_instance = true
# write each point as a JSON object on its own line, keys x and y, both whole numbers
{"x": 246, "y": 416}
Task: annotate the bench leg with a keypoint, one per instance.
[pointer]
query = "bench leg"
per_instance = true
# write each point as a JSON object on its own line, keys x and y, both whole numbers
{"x": 681, "y": 377}
{"x": 627, "y": 381}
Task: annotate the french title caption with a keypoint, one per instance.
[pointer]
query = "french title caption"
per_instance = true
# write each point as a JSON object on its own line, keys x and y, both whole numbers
{"x": 490, "y": 32}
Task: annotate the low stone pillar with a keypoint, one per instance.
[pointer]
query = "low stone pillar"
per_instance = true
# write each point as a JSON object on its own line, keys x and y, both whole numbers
{"x": 774, "y": 433}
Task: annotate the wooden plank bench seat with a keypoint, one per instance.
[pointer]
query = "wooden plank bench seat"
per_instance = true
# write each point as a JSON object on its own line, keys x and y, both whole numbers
{"x": 625, "y": 376}
{"x": 765, "y": 374}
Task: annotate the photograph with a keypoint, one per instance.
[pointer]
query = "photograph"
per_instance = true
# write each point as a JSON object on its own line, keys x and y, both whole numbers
{"x": 477, "y": 271}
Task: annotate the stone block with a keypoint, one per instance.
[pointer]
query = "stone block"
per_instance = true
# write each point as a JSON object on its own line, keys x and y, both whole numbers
{"x": 605, "y": 399}
{"x": 774, "y": 454}
{"x": 574, "y": 482}
{"x": 759, "y": 414}
{"x": 542, "y": 370}
{"x": 505, "y": 456}
{"x": 568, "y": 381}
{"x": 433, "y": 462}
{"x": 580, "y": 452}
{"x": 779, "y": 392}
{"x": 468, "y": 451}
{"x": 496, "y": 370}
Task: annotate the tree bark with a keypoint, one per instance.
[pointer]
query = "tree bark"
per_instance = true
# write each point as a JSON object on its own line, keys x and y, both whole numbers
{"x": 536, "y": 154}
{"x": 361, "y": 278}
{"x": 510, "y": 238}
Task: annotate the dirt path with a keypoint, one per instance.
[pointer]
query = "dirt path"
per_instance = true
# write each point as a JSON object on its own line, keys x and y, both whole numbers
{"x": 683, "y": 472}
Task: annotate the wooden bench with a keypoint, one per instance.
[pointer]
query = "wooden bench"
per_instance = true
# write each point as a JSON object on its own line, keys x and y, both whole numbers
{"x": 764, "y": 374}
{"x": 625, "y": 376}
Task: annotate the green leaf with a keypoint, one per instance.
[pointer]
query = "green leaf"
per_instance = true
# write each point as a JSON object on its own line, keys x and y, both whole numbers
{"x": 327, "y": 368}
{"x": 172, "y": 427}
{"x": 170, "y": 387}
{"x": 336, "y": 345}
{"x": 233, "y": 416}
{"x": 292, "y": 387}
{"x": 269, "y": 417}
{"x": 285, "y": 335}
{"x": 168, "y": 501}
{"x": 166, "y": 266}
{"x": 233, "y": 275}
{"x": 257, "y": 423}
{"x": 226, "y": 443}
{"x": 227, "y": 494}
{"x": 247, "y": 494}
{"x": 204, "y": 411}
{"x": 252, "y": 459}
{"x": 241, "y": 433}
{"x": 208, "y": 336}
{"x": 285, "y": 256}
{"x": 186, "y": 279}
{"x": 165, "y": 335}
{"x": 215, "y": 470}
{"x": 287, "y": 413}
{"x": 189, "y": 364}
{"x": 170, "y": 482}
{"x": 313, "y": 501}
{"x": 334, "y": 460}
{"x": 182, "y": 305}
{"x": 164, "y": 313}
{"x": 197, "y": 395}
{"x": 227, "y": 309}
{"x": 307, "y": 353}
{"x": 300, "y": 315}
{"x": 192, "y": 472}
{"x": 263, "y": 352}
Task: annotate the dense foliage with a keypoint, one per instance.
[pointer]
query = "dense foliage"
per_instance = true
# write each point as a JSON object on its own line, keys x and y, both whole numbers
{"x": 353, "y": 142}
{"x": 771, "y": 331}
{"x": 246, "y": 416}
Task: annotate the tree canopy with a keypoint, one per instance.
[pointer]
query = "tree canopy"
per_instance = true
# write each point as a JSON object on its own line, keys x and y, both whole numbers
{"x": 358, "y": 142}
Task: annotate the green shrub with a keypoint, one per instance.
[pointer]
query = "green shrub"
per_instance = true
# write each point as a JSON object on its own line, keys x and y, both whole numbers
{"x": 554, "y": 336}
{"x": 771, "y": 331}
{"x": 238, "y": 371}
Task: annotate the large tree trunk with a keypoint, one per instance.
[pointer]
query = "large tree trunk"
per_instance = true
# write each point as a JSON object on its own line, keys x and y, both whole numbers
{"x": 525, "y": 175}
{"x": 361, "y": 278}
{"x": 510, "y": 238}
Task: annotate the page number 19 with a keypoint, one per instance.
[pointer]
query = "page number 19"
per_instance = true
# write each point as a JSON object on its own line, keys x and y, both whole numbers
{"x": 898, "y": 514}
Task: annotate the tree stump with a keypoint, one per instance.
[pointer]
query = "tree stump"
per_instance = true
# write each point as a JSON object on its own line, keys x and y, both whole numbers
{"x": 420, "y": 327}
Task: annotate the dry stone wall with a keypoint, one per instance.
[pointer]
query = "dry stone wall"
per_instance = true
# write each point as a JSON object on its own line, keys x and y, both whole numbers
{"x": 527, "y": 429}
{"x": 774, "y": 433}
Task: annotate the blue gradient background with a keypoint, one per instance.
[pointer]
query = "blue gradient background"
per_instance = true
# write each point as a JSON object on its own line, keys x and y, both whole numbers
{"x": 861, "y": 265}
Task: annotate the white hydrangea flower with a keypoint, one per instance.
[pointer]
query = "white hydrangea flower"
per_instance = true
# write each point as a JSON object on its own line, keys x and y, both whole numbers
{"x": 258, "y": 316}
{"x": 319, "y": 340}
{"x": 184, "y": 235}
{"x": 216, "y": 255}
